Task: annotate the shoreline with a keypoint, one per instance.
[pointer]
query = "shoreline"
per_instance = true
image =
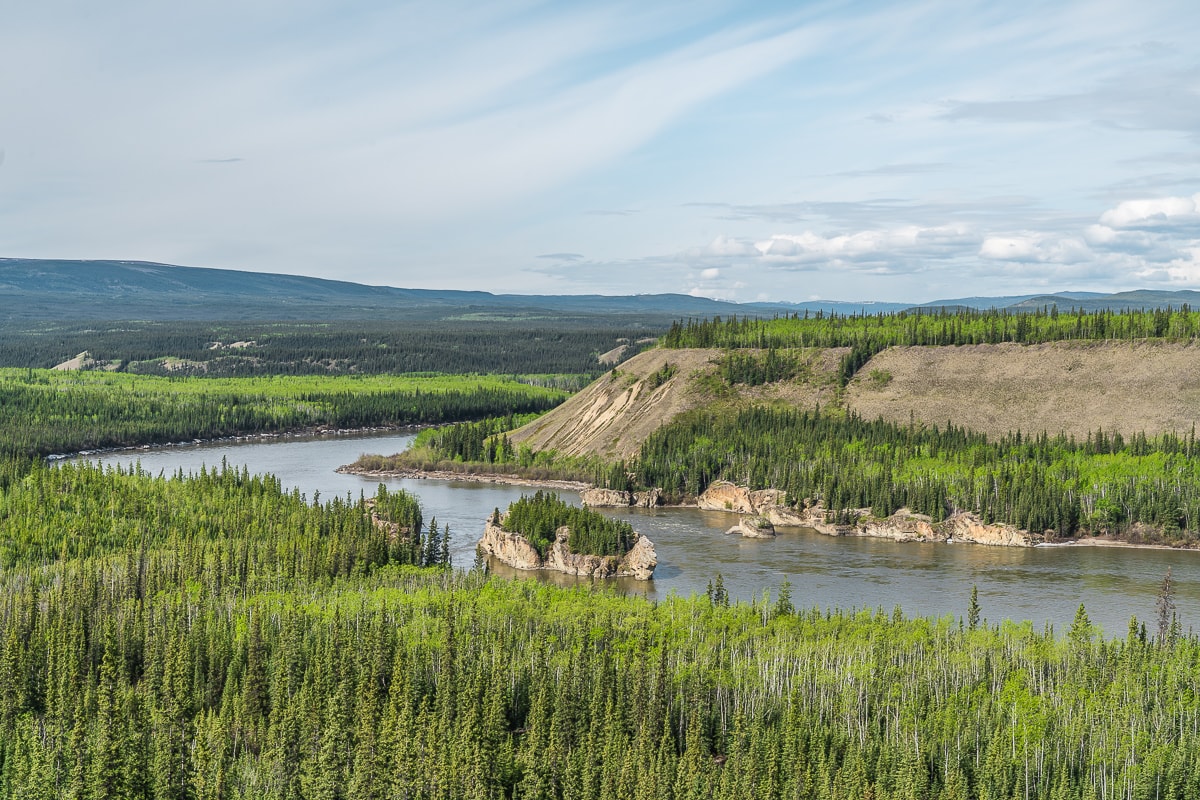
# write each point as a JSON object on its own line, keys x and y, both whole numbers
{"x": 261, "y": 438}
{"x": 580, "y": 486}
{"x": 509, "y": 479}
{"x": 467, "y": 477}
{"x": 1100, "y": 541}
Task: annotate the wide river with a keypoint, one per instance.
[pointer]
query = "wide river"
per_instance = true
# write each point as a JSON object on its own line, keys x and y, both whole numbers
{"x": 1043, "y": 584}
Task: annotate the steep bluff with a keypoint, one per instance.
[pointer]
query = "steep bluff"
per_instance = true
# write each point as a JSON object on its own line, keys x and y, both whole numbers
{"x": 617, "y": 412}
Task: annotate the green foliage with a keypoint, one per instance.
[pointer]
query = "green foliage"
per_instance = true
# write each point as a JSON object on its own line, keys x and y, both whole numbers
{"x": 386, "y": 684}
{"x": 53, "y": 412}
{"x": 879, "y": 378}
{"x": 1104, "y": 484}
{"x": 215, "y": 637}
{"x": 957, "y": 327}
{"x": 755, "y": 368}
{"x": 79, "y": 511}
{"x": 484, "y": 441}
{"x": 661, "y": 376}
{"x": 537, "y": 517}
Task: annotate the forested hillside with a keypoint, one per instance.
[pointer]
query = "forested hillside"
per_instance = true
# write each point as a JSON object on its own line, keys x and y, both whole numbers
{"x": 558, "y": 346}
{"x": 52, "y": 289}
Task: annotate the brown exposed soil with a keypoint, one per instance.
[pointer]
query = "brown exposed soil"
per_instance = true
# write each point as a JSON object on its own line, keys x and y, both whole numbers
{"x": 1068, "y": 387}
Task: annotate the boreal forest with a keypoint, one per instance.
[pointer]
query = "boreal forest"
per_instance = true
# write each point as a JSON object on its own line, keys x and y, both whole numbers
{"x": 220, "y": 635}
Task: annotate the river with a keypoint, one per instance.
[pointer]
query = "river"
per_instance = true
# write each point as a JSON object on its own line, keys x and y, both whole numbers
{"x": 1044, "y": 584}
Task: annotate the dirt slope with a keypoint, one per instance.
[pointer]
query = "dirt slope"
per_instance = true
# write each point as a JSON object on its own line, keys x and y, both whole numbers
{"x": 615, "y": 414}
{"x": 1073, "y": 387}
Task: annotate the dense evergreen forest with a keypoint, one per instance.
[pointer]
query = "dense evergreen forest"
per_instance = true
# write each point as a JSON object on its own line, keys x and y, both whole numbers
{"x": 538, "y": 516}
{"x": 54, "y": 412}
{"x": 216, "y": 637}
{"x": 942, "y": 327}
{"x": 560, "y": 347}
{"x": 1104, "y": 484}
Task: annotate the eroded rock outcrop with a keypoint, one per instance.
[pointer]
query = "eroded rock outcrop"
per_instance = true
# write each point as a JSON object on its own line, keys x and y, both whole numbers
{"x": 966, "y": 527}
{"x": 515, "y": 550}
{"x": 596, "y": 497}
{"x": 511, "y": 548}
{"x": 902, "y": 526}
{"x": 754, "y": 528}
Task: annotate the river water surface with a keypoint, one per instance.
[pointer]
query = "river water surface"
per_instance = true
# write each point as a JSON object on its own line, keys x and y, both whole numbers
{"x": 1043, "y": 584}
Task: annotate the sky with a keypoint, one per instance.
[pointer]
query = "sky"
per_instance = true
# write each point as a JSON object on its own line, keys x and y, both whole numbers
{"x": 901, "y": 151}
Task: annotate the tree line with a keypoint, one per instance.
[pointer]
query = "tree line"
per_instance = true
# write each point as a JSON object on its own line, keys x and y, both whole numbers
{"x": 944, "y": 327}
{"x": 54, "y": 412}
{"x": 868, "y": 334}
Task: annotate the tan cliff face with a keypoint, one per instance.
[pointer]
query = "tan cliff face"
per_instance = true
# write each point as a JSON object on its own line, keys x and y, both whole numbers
{"x": 516, "y": 551}
{"x": 615, "y": 414}
{"x": 620, "y": 409}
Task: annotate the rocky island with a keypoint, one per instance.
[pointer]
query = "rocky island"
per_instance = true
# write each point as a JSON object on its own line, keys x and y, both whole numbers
{"x": 543, "y": 532}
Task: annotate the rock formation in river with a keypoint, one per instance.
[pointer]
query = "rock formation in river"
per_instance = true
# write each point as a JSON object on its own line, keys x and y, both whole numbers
{"x": 902, "y": 526}
{"x": 754, "y": 528}
{"x": 596, "y": 497}
{"x": 515, "y": 550}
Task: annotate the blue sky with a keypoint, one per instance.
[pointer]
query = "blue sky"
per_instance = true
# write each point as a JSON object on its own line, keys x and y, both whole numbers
{"x": 782, "y": 151}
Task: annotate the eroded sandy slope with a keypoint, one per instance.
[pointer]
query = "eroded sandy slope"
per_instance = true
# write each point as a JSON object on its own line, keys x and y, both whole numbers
{"x": 615, "y": 414}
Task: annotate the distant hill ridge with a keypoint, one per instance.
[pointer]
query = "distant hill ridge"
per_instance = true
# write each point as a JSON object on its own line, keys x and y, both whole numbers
{"x": 35, "y": 289}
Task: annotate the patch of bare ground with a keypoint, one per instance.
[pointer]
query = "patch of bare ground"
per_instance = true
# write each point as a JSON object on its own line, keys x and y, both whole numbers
{"x": 81, "y": 361}
{"x": 617, "y": 412}
{"x": 613, "y": 356}
{"x": 1068, "y": 387}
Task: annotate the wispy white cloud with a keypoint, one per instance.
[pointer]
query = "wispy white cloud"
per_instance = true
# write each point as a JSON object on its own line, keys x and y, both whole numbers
{"x": 451, "y": 144}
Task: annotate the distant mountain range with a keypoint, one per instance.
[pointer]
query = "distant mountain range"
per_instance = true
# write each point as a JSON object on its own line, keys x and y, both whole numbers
{"x": 37, "y": 289}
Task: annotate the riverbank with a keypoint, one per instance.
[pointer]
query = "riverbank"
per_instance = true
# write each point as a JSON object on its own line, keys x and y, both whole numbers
{"x": 963, "y": 528}
{"x": 301, "y": 434}
{"x": 470, "y": 477}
